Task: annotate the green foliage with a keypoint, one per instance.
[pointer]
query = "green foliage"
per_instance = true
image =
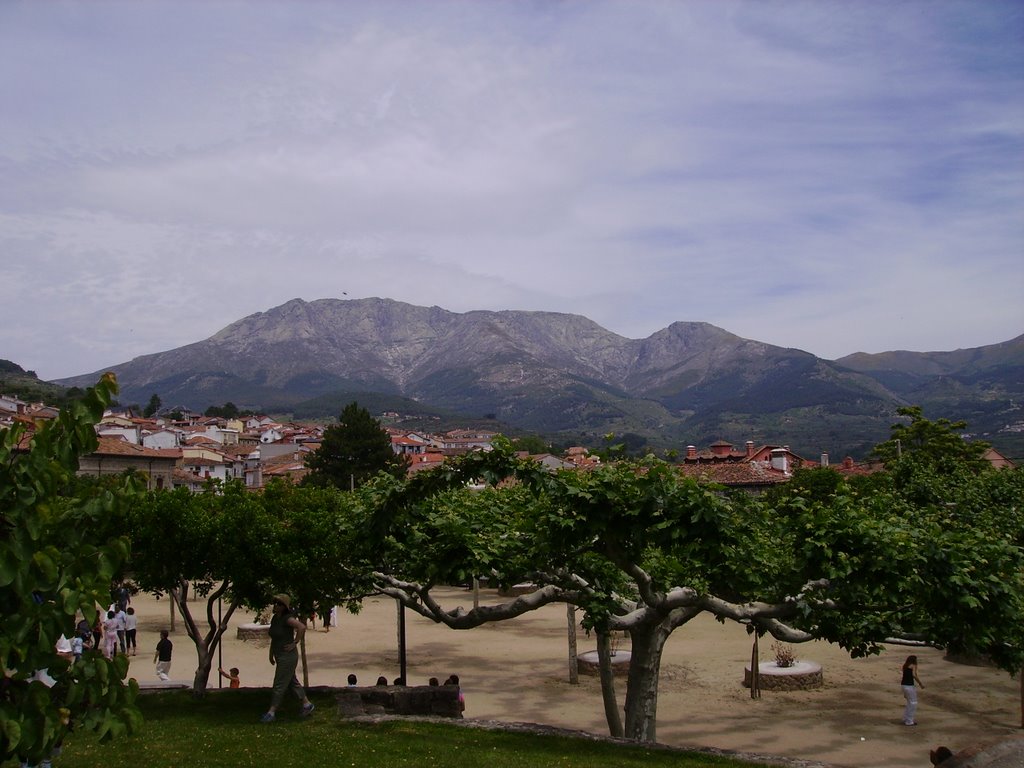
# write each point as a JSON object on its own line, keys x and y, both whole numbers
{"x": 813, "y": 484}
{"x": 640, "y": 547}
{"x": 352, "y": 451}
{"x": 936, "y": 442}
{"x": 240, "y": 547}
{"x": 531, "y": 444}
{"x": 152, "y": 406}
{"x": 26, "y": 385}
{"x": 227, "y": 411}
{"x": 54, "y": 564}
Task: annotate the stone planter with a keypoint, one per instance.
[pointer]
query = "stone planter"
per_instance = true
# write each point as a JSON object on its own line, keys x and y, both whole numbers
{"x": 802, "y": 676}
{"x": 589, "y": 664}
{"x": 257, "y": 632}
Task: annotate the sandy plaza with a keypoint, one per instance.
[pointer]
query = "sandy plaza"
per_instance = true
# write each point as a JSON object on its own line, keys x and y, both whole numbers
{"x": 517, "y": 671}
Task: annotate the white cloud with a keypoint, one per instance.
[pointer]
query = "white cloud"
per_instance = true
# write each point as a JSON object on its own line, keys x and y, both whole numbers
{"x": 830, "y": 176}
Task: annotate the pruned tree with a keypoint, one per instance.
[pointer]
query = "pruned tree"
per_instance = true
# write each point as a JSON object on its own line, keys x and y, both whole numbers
{"x": 643, "y": 550}
{"x": 232, "y": 548}
{"x": 55, "y": 561}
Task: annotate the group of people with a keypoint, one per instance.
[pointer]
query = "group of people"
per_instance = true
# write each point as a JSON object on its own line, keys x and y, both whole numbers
{"x": 114, "y": 630}
{"x": 286, "y": 632}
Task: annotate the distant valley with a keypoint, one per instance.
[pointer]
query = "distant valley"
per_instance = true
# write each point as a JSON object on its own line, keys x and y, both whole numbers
{"x": 568, "y": 379}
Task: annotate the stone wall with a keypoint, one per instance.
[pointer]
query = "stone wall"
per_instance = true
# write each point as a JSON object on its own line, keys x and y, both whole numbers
{"x": 433, "y": 700}
{"x": 802, "y": 676}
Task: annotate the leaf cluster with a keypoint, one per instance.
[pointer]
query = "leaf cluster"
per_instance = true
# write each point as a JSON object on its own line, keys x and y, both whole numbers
{"x": 56, "y": 563}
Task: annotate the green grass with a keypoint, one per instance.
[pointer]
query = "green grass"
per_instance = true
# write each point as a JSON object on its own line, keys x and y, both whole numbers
{"x": 223, "y": 730}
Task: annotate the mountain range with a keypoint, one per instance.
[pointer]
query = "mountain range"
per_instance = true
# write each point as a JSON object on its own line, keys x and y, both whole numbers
{"x": 568, "y": 379}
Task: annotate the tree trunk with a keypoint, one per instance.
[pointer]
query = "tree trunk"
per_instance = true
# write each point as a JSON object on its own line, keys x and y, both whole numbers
{"x": 642, "y": 688}
{"x": 206, "y": 643}
{"x": 611, "y": 704}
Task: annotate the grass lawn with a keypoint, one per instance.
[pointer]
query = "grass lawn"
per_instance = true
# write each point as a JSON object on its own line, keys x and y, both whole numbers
{"x": 224, "y": 730}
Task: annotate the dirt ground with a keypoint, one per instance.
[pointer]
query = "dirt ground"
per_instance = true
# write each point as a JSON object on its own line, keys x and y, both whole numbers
{"x": 517, "y": 671}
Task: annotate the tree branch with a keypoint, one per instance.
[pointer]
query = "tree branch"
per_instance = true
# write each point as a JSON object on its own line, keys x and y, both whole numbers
{"x": 418, "y": 598}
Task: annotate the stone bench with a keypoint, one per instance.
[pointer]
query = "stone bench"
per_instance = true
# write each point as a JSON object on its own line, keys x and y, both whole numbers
{"x": 433, "y": 700}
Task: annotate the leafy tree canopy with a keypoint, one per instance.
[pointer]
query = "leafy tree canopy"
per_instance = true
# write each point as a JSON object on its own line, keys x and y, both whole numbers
{"x": 239, "y": 548}
{"x": 56, "y": 565}
{"x": 531, "y": 444}
{"x": 227, "y": 411}
{"x": 353, "y": 451}
{"x": 936, "y": 442}
{"x": 152, "y": 406}
{"x": 642, "y": 549}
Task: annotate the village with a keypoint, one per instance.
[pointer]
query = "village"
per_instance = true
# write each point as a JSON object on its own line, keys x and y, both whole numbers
{"x": 192, "y": 450}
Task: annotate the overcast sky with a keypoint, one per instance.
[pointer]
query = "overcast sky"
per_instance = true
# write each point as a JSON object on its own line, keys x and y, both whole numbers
{"x": 836, "y": 177}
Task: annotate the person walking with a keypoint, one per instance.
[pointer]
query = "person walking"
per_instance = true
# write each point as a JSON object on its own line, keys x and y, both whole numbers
{"x": 110, "y": 635}
{"x": 131, "y": 629}
{"x": 286, "y": 632}
{"x": 909, "y": 690}
{"x": 162, "y": 657}
{"x": 122, "y": 626}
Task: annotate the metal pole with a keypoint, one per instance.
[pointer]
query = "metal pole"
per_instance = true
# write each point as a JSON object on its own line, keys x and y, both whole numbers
{"x": 401, "y": 642}
{"x": 220, "y": 645}
{"x": 574, "y": 669}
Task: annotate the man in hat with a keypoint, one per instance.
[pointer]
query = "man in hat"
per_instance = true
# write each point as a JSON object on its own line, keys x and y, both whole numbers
{"x": 286, "y": 631}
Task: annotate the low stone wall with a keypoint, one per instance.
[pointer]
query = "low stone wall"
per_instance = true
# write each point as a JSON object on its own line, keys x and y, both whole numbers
{"x": 589, "y": 664}
{"x": 257, "y": 632}
{"x": 431, "y": 700}
{"x": 802, "y": 676}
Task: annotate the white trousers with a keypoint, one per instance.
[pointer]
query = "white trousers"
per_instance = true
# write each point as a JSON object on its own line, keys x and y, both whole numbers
{"x": 910, "y": 694}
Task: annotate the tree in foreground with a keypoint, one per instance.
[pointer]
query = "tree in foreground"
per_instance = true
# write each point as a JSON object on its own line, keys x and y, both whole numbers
{"x": 643, "y": 550}
{"x": 54, "y": 564}
{"x": 231, "y": 547}
{"x": 352, "y": 451}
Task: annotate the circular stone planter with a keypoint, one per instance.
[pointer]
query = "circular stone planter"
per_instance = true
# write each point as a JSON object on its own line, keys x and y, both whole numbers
{"x": 589, "y": 664}
{"x": 802, "y": 676}
{"x": 253, "y": 632}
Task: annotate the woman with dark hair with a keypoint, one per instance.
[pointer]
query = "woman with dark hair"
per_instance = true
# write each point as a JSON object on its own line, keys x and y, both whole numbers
{"x": 286, "y": 631}
{"x": 909, "y": 691}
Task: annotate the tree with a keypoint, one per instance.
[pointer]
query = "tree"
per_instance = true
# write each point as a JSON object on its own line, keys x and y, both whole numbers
{"x": 937, "y": 442}
{"x": 152, "y": 406}
{"x": 641, "y": 549}
{"x": 352, "y": 451}
{"x": 531, "y": 444}
{"x": 234, "y": 548}
{"x": 53, "y": 565}
{"x": 227, "y": 411}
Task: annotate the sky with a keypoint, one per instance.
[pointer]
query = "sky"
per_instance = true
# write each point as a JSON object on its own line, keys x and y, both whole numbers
{"x": 831, "y": 176}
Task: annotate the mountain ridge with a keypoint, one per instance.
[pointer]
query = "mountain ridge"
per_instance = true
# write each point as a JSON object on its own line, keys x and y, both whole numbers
{"x": 553, "y": 373}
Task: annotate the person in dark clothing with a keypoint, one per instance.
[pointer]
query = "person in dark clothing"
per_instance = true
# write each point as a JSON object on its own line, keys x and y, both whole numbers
{"x": 162, "y": 657}
{"x": 909, "y": 691}
{"x": 286, "y": 631}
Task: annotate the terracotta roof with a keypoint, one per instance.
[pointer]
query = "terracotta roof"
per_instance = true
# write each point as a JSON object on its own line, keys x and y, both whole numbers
{"x": 751, "y": 473}
{"x": 118, "y": 446}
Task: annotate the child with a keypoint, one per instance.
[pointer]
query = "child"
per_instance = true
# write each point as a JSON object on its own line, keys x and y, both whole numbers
{"x": 77, "y": 646}
{"x": 231, "y": 675}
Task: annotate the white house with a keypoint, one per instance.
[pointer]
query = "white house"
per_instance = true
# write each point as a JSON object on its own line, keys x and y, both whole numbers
{"x": 162, "y": 438}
